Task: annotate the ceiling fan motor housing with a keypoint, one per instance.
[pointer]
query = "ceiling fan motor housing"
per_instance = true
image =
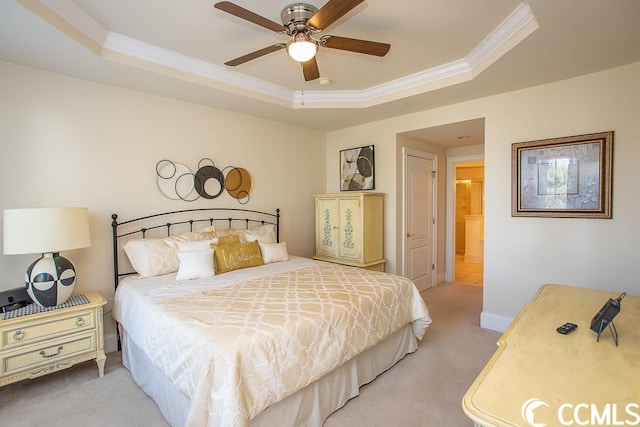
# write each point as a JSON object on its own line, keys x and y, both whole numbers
{"x": 295, "y": 16}
{"x": 296, "y": 24}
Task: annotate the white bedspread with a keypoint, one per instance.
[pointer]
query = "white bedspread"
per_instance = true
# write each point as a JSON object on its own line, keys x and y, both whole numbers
{"x": 238, "y": 342}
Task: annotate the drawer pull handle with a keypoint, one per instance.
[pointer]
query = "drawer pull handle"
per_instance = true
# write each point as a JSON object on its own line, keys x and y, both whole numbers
{"x": 18, "y": 335}
{"x": 46, "y": 356}
{"x": 79, "y": 321}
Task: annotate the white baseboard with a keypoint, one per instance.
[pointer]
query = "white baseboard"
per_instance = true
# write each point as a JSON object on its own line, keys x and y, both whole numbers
{"x": 494, "y": 322}
{"x": 110, "y": 343}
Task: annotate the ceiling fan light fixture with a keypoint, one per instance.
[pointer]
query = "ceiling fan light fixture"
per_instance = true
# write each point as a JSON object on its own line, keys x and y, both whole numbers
{"x": 301, "y": 48}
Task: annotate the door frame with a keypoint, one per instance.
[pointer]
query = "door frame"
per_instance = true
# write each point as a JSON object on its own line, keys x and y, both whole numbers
{"x": 450, "y": 212}
{"x": 406, "y": 152}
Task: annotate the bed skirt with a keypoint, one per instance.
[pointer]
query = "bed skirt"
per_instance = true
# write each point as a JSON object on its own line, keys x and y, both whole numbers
{"x": 307, "y": 407}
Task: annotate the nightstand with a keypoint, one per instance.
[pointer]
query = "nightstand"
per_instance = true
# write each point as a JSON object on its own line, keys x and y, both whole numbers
{"x": 38, "y": 344}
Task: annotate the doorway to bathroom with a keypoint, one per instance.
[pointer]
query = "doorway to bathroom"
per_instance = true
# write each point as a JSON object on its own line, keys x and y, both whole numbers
{"x": 469, "y": 222}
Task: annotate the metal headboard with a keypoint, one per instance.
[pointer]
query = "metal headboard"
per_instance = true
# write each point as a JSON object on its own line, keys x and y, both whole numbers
{"x": 230, "y": 217}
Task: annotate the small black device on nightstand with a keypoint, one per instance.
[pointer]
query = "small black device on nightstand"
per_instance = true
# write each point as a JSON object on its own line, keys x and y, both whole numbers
{"x": 14, "y": 299}
{"x": 566, "y": 328}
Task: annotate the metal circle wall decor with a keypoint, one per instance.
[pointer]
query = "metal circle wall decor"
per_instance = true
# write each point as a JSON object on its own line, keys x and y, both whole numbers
{"x": 185, "y": 187}
{"x": 177, "y": 182}
{"x": 204, "y": 160}
{"x": 238, "y": 184}
{"x": 204, "y": 174}
{"x": 165, "y": 169}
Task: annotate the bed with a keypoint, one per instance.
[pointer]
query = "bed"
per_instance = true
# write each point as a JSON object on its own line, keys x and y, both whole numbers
{"x": 282, "y": 340}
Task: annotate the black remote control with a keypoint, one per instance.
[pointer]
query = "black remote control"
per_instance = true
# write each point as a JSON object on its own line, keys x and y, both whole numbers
{"x": 566, "y": 328}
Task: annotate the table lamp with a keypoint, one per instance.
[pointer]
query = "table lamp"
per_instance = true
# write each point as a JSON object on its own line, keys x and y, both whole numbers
{"x": 50, "y": 279}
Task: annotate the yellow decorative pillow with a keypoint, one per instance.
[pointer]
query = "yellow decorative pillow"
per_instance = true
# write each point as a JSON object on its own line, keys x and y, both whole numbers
{"x": 234, "y": 256}
{"x": 225, "y": 240}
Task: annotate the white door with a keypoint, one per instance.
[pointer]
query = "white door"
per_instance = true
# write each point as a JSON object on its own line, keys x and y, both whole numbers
{"x": 419, "y": 223}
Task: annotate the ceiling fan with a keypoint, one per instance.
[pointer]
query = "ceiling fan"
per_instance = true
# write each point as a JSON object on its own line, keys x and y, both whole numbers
{"x": 301, "y": 22}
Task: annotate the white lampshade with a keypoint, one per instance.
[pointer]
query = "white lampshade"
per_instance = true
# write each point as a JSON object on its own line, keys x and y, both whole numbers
{"x": 51, "y": 279}
{"x": 42, "y": 230}
{"x": 301, "y": 48}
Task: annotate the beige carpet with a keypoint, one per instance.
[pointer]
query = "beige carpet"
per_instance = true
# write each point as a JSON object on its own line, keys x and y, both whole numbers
{"x": 423, "y": 389}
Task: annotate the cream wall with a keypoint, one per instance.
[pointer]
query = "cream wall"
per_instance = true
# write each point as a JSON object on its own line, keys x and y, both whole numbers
{"x": 384, "y": 138}
{"x": 69, "y": 142}
{"x": 469, "y": 150}
{"x": 523, "y": 253}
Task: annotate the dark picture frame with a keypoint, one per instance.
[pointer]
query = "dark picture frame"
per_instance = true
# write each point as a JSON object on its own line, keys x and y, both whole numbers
{"x": 357, "y": 169}
{"x": 567, "y": 177}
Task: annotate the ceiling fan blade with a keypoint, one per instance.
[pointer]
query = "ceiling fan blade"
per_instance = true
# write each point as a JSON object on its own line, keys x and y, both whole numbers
{"x": 254, "y": 55}
{"x": 247, "y": 15}
{"x": 331, "y": 12}
{"x": 356, "y": 45}
{"x": 310, "y": 69}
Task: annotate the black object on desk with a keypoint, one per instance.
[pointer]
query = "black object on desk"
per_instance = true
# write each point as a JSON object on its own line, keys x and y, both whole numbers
{"x": 604, "y": 317}
{"x": 566, "y": 328}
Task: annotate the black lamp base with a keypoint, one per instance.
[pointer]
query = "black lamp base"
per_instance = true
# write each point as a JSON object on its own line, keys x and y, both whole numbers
{"x": 50, "y": 280}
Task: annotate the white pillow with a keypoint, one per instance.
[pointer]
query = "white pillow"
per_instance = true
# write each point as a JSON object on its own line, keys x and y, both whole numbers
{"x": 195, "y": 264}
{"x": 154, "y": 257}
{"x": 273, "y": 252}
{"x": 263, "y": 234}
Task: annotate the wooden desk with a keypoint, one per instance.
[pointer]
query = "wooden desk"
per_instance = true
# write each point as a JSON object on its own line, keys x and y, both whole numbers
{"x": 533, "y": 361}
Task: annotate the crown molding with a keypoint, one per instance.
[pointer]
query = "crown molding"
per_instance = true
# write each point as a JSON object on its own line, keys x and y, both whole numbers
{"x": 73, "y": 21}
{"x": 68, "y": 17}
{"x": 515, "y": 28}
{"x": 169, "y": 63}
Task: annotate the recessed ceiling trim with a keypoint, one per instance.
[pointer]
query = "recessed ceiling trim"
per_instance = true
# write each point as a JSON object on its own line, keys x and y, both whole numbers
{"x": 515, "y": 28}
{"x": 73, "y": 21}
{"x": 68, "y": 17}
{"x": 167, "y": 62}
{"x": 432, "y": 79}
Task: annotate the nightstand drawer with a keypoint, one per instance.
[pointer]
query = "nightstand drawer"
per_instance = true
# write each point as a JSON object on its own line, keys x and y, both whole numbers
{"x": 33, "y": 332}
{"x": 33, "y": 357}
{"x": 37, "y": 344}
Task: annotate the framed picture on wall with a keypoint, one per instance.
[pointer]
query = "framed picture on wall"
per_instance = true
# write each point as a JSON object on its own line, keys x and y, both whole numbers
{"x": 568, "y": 177}
{"x": 357, "y": 169}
